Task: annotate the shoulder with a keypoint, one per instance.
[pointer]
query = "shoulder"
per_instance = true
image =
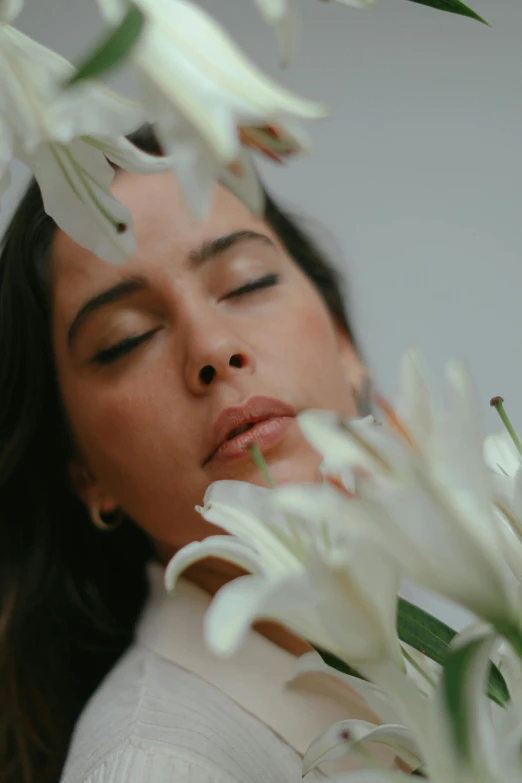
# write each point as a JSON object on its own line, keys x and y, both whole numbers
{"x": 152, "y": 721}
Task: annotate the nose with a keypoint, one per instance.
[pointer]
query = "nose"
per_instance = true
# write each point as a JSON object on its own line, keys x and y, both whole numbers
{"x": 216, "y": 353}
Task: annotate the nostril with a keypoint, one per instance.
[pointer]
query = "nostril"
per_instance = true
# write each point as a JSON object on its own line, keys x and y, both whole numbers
{"x": 206, "y": 374}
{"x": 236, "y": 360}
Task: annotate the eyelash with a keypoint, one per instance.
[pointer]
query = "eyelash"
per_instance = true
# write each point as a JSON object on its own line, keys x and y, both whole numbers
{"x": 115, "y": 352}
{"x": 267, "y": 281}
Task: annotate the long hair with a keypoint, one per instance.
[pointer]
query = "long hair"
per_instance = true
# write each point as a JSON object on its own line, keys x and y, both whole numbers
{"x": 69, "y": 595}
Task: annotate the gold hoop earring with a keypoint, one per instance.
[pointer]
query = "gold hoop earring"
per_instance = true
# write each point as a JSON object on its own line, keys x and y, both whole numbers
{"x": 105, "y": 527}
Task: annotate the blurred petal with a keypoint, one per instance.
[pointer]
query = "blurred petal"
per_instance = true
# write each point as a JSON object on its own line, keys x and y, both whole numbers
{"x": 331, "y": 436}
{"x": 461, "y": 733}
{"x": 176, "y": 61}
{"x": 415, "y": 398}
{"x": 288, "y": 29}
{"x": 405, "y": 698}
{"x": 501, "y": 454}
{"x": 374, "y": 696}
{"x": 323, "y": 503}
{"x": 271, "y": 10}
{"x": 39, "y": 110}
{"x": 9, "y": 9}
{"x": 128, "y": 156}
{"x": 223, "y": 547}
{"x": 90, "y": 109}
{"x": 242, "y": 510}
{"x": 373, "y": 776}
{"x": 341, "y": 738}
{"x": 242, "y": 179}
{"x": 245, "y": 600}
{"x": 75, "y": 181}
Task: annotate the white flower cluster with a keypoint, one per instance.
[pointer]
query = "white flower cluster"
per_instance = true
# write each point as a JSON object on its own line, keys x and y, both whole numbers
{"x": 414, "y": 497}
{"x": 208, "y": 103}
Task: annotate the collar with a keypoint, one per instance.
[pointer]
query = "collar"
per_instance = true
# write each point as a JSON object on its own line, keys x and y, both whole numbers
{"x": 256, "y": 677}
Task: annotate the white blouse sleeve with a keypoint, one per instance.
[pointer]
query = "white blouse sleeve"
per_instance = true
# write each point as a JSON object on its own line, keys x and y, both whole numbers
{"x": 138, "y": 765}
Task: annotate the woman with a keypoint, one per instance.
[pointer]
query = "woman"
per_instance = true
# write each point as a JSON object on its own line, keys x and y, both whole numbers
{"x": 124, "y": 392}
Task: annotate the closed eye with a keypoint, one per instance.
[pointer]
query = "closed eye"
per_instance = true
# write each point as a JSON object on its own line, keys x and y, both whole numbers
{"x": 109, "y": 355}
{"x": 253, "y": 285}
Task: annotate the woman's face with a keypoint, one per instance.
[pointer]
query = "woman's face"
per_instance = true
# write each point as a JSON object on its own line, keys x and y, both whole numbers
{"x": 208, "y": 325}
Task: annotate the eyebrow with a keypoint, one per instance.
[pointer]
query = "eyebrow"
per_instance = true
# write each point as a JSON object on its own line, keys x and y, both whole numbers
{"x": 216, "y": 247}
{"x": 133, "y": 284}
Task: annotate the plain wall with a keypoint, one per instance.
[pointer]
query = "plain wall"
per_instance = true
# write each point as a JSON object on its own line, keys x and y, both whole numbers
{"x": 416, "y": 178}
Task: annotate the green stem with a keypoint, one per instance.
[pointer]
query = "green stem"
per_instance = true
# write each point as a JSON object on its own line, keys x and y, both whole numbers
{"x": 262, "y": 466}
{"x": 497, "y": 402}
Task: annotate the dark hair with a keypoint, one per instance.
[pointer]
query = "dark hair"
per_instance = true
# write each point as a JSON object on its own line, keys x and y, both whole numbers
{"x": 69, "y": 595}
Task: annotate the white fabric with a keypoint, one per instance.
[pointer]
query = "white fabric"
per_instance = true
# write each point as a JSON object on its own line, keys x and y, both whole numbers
{"x": 169, "y": 712}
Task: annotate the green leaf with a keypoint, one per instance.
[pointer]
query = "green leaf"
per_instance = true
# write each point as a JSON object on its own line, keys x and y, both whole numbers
{"x": 114, "y": 50}
{"x": 452, "y": 7}
{"x": 462, "y": 691}
{"x": 423, "y": 631}
{"x": 336, "y": 663}
{"x": 497, "y": 688}
{"x": 431, "y": 637}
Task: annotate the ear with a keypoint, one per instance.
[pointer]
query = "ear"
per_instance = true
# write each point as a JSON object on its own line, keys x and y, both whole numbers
{"x": 88, "y": 488}
{"x": 355, "y": 372}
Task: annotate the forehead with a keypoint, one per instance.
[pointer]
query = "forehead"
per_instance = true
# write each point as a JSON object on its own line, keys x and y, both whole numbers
{"x": 166, "y": 232}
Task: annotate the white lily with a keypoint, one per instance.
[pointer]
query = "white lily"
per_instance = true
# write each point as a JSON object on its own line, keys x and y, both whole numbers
{"x": 284, "y": 16}
{"x": 65, "y": 138}
{"x": 504, "y": 459}
{"x": 463, "y": 744}
{"x": 201, "y": 90}
{"x": 75, "y": 180}
{"x": 335, "y": 588}
{"x": 423, "y": 483}
{"x": 36, "y": 108}
{"x": 397, "y": 705}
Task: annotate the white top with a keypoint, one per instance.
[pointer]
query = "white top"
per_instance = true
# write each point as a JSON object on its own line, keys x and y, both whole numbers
{"x": 170, "y": 712}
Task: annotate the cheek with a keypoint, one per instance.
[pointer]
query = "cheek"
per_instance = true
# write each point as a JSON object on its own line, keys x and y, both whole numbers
{"x": 126, "y": 427}
{"x": 310, "y": 348}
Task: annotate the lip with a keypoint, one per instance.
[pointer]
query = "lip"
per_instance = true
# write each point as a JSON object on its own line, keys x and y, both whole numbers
{"x": 270, "y": 418}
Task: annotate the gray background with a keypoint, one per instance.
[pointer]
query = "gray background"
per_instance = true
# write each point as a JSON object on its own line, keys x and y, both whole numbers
{"x": 415, "y": 185}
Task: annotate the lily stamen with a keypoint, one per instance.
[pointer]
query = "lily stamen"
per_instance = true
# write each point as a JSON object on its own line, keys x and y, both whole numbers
{"x": 394, "y": 421}
{"x": 498, "y": 403}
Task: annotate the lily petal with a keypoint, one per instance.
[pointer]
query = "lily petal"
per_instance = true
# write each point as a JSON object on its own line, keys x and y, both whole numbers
{"x": 246, "y": 599}
{"x": 462, "y": 740}
{"x": 39, "y": 110}
{"x": 415, "y": 400}
{"x": 75, "y": 181}
{"x": 91, "y": 109}
{"x": 327, "y": 433}
{"x": 271, "y": 10}
{"x": 372, "y": 776}
{"x": 176, "y": 62}
{"x": 501, "y": 454}
{"x": 9, "y": 10}
{"x": 128, "y": 156}
{"x": 372, "y": 695}
{"x": 288, "y": 29}
{"x": 240, "y": 509}
{"x": 408, "y": 702}
{"x": 242, "y": 179}
{"x": 224, "y": 547}
{"x": 341, "y": 738}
